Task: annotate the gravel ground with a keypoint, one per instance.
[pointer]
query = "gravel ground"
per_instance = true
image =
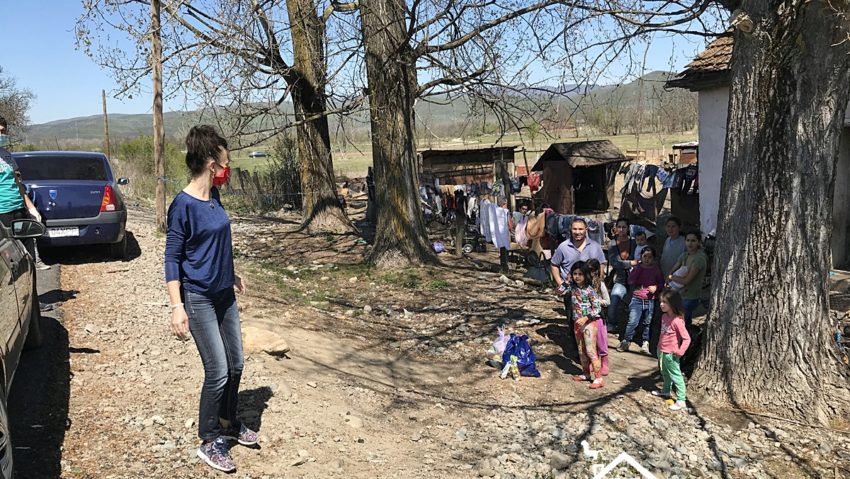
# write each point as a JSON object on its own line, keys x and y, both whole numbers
{"x": 385, "y": 378}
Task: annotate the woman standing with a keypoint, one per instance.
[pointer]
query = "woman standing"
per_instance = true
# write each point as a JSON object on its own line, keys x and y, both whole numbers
{"x": 201, "y": 281}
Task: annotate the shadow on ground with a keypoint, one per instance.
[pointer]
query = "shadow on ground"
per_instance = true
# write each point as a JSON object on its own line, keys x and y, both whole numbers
{"x": 38, "y": 404}
{"x": 89, "y": 254}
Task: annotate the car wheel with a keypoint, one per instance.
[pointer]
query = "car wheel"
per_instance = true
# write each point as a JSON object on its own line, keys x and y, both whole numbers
{"x": 119, "y": 250}
{"x": 6, "y": 464}
{"x": 35, "y": 336}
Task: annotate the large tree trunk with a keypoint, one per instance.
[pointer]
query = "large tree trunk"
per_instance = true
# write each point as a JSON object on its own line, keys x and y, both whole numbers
{"x": 400, "y": 237}
{"x": 322, "y": 210}
{"x": 768, "y": 345}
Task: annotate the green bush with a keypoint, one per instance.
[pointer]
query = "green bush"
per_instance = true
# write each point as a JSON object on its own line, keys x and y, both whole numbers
{"x": 134, "y": 159}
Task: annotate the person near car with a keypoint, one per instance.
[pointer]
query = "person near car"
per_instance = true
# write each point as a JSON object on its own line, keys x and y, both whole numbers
{"x": 620, "y": 258}
{"x": 201, "y": 284}
{"x": 14, "y": 202}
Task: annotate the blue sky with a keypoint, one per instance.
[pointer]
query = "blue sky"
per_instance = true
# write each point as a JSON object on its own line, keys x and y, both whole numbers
{"x": 40, "y": 53}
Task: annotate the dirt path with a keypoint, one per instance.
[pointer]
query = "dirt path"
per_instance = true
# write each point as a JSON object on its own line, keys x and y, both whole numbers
{"x": 386, "y": 378}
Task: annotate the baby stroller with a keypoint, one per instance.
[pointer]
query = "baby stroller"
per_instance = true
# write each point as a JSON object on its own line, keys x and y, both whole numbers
{"x": 472, "y": 240}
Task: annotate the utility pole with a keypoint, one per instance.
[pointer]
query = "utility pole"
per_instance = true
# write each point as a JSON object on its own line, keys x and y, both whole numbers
{"x": 105, "y": 125}
{"x": 158, "y": 130}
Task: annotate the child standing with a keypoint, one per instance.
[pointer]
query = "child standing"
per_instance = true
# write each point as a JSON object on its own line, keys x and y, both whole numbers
{"x": 647, "y": 280}
{"x": 586, "y": 311}
{"x": 672, "y": 344}
{"x": 604, "y": 301}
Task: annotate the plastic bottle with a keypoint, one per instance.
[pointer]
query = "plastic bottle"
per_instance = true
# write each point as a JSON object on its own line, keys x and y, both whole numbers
{"x": 514, "y": 368}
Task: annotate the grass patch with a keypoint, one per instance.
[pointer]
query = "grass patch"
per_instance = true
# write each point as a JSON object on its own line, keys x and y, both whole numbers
{"x": 437, "y": 283}
{"x": 417, "y": 279}
{"x": 407, "y": 279}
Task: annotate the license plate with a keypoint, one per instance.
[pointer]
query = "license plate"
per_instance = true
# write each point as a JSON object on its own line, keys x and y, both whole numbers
{"x": 63, "y": 232}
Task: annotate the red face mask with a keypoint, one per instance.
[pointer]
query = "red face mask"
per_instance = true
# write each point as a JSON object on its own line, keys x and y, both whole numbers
{"x": 221, "y": 176}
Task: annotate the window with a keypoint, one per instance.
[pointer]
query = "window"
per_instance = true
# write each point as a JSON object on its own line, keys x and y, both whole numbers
{"x": 35, "y": 168}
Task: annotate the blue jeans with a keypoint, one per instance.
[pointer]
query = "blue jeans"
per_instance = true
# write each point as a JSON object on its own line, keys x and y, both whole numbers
{"x": 640, "y": 311}
{"x": 214, "y": 323}
{"x": 618, "y": 292}
{"x": 690, "y": 307}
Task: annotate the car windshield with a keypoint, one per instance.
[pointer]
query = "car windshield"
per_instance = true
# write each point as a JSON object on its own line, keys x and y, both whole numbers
{"x": 61, "y": 168}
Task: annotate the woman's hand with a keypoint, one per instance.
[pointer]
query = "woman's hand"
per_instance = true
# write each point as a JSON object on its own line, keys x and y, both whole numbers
{"x": 180, "y": 323}
{"x": 652, "y": 289}
{"x": 580, "y": 322}
{"x": 241, "y": 287}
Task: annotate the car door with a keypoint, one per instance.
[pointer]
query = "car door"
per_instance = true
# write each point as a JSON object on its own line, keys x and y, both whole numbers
{"x": 10, "y": 264}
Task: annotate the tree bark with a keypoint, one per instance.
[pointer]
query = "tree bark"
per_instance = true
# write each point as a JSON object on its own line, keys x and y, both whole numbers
{"x": 768, "y": 345}
{"x": 400, "y": 237}
{"x": 322, "y": 210}
{"x": 158, "y": 128}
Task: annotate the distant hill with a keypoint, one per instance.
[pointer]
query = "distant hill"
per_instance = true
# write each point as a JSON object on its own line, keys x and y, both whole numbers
{"x": 435, "y": 116}
{"x": 90, "y": 128}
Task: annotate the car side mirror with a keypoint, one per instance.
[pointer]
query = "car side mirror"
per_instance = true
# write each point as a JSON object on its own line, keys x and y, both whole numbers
{"x": 123, "y": 181}
{"x": 22, "y": 229}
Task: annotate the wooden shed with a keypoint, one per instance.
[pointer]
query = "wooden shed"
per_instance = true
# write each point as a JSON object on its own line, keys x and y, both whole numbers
{"x": 578, "y": 177}
{"x": 459, "y": 167}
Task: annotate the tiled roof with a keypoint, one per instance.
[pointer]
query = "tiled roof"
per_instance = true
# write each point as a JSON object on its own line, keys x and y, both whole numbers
{"x": 709, "y": 68}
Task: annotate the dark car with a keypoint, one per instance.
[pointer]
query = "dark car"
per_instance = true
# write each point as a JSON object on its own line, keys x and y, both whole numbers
{"x": 78, "y": 198}
{"x": 258, "y": 154}
{"x": 20, "y": 318}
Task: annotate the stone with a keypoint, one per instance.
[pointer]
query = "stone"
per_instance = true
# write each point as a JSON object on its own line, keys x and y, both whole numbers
{"x": 312, "y": 384}
{"x": 504, "y": 279}
{"x": 258, "y": 340}
{"x": 352, "y": 279}
{"x": 416, "y": 437}
{"x": 354, "y": 421}
{"x": 485, "y": 468}
{"x": 367, "y": 309}
{"x": 559, "y": 461}
{"x": 189, "y": 423}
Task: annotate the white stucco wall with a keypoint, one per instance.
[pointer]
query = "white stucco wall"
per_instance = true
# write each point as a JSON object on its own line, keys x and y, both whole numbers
{"x": 841, "y": 205}
{"x": 713, "y": 106}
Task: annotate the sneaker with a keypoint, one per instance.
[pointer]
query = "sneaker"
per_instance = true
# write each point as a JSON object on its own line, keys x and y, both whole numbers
{"x": 678, "y": 405}
{"x": 644, "y": 348}
{"x": 597, "y": 383}
{"x": 580, "y": 377}
{"x": 246, "y": 437}
{"x": 41, "y": 266}
{"x": 661, "y": 394}
{"x": 216, "y": 454}
{"x": 624, "y": 346}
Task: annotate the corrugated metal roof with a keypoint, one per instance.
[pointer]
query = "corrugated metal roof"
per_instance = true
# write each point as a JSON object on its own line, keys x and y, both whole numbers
{"x": 582, "y": 153}
{"x": 710, "y": 68}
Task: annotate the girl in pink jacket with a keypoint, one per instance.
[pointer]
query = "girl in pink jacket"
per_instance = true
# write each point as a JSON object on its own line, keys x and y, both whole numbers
{"x": 672, "y": 344}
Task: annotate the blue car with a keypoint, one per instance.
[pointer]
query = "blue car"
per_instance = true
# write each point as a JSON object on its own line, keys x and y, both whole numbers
{"x": 78, "y": 198}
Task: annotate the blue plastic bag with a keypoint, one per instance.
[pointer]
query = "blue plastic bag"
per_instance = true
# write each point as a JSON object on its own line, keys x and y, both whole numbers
{"x": 518, "y": 346}
{"x": 439, "y": 247}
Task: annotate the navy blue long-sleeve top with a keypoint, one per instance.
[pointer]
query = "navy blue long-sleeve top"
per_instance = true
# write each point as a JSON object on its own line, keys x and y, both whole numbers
{"x": 198, "y": 246}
